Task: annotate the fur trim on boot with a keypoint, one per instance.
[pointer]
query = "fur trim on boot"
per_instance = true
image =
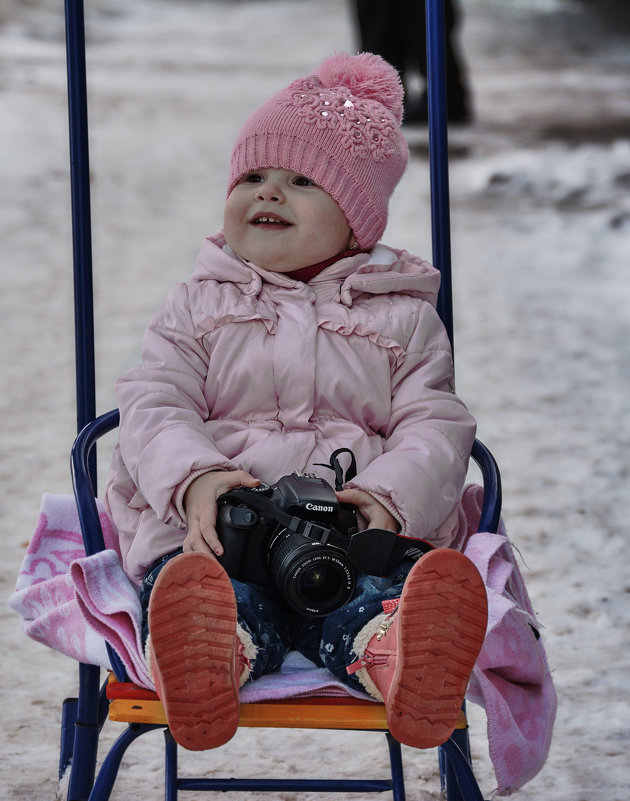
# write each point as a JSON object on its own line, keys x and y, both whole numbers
{"x": 247, "y": 653}
{"x": 361, "y": 643}
{"x": 420, "y": 657}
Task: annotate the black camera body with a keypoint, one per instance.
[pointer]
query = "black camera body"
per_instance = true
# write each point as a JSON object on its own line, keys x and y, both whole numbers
{"x": 295, "y": 534}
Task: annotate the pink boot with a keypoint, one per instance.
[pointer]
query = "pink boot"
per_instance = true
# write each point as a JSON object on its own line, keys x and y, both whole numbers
{"x": 418, "y": 656}
{"x": 197, "y": 656}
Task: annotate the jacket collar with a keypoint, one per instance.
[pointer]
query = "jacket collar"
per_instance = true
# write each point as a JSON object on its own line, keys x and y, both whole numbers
{"x": 379, "y": 272}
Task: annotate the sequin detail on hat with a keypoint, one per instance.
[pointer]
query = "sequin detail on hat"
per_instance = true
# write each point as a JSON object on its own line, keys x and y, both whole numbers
{"x": 365, "y": 129}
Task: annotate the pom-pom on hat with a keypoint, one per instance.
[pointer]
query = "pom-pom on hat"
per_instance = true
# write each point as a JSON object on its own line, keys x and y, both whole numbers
{"x": 339, "y": 127}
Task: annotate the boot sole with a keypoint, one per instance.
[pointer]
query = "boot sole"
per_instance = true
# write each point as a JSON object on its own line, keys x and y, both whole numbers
{"x": 441, "y": 619}
{"x": 192, "y": 623}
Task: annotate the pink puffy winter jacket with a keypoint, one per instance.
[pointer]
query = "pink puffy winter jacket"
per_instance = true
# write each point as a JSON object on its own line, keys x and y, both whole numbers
{"x": 248, "y": 369}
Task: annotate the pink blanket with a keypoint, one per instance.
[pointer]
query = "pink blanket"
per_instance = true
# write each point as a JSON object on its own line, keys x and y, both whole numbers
{"x": 511, "y": 678}
{"x": 73, "y": 603}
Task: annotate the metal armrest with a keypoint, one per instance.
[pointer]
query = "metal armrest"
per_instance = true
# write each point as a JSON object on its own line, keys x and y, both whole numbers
{"x": 82, "y": 480}
{"x": 492, "y": 498}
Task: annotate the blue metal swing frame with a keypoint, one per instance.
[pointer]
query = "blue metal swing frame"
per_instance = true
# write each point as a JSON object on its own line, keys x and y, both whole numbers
{"x": 84, "y": 716}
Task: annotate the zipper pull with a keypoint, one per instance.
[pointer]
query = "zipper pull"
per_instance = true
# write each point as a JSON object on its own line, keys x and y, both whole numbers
{"x": 368, "y": 660}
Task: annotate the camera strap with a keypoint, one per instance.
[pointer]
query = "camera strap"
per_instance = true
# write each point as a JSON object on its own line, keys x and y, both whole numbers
{"x": 314, "y": 531}
{"x": 377, "y": 552}
{"x": 336, "y": 467}
{"x": 374, "y": 551}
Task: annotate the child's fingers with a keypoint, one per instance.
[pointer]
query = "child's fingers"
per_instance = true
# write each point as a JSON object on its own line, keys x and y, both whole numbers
{"x": 364, "y": 502}
{"x": 209, "y": 533}
{"x": 376, "y": 515}
{"x": 201, "y": 508}
{"x": 194, "y": 542}
{"x": 211, "y": 538}
{"x": 202, "y": 535}
{"x": 353, "y": 496}
{"x": 238, "y": 478}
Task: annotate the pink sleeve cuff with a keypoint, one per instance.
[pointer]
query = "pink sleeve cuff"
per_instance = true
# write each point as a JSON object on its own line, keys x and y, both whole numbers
{"x": 180, "y": 491}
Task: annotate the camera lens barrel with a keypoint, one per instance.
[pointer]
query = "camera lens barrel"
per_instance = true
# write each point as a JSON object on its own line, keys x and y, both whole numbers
{"x": 314, "y": 579}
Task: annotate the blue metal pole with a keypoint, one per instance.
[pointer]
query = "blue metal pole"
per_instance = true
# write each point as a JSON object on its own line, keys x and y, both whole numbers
{"x": 87, "y": 724}
{"x": 81, "y": 216}
{"x": 438, "y": 157}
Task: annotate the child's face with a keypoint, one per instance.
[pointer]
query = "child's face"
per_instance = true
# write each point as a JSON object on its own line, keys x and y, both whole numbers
{"x": 282, "y": 221}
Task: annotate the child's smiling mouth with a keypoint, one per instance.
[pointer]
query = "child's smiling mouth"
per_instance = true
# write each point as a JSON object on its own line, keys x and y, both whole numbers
{"x": 270, "y": 220}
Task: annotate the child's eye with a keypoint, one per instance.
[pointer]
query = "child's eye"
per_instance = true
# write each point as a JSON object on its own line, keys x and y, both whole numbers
{"x": 253, "y": 178}
{"x": 300, "y": 180}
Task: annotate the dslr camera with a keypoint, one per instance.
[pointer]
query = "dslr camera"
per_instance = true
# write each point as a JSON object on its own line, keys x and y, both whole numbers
{"x": 296, "y": 535}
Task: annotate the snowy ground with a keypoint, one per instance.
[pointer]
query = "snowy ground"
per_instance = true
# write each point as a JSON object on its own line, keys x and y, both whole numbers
{"x": 540, "y": 189}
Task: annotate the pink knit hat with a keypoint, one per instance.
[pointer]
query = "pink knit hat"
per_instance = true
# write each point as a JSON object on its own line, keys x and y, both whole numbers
{"x": 340, "y": 127}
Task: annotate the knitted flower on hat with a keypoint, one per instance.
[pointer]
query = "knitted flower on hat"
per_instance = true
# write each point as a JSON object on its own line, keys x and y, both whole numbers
{"x": 340, "y": 127}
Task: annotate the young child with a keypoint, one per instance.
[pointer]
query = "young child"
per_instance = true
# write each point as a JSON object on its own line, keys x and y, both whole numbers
{"x": 298, "y": 334}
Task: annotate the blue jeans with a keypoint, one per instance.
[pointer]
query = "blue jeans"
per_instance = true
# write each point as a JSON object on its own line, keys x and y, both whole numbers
{"x": 275, "y": 628}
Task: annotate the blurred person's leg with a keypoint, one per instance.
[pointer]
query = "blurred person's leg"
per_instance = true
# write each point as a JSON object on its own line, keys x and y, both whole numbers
{"x": 396, "y": 30}
{"x": 382, "y": 30}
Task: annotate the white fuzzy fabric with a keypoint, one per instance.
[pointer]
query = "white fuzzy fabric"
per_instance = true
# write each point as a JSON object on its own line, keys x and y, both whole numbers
{"x": 361, "y": 642}
{"x": 147, "y": 656}
{"x": 250, "y": 652}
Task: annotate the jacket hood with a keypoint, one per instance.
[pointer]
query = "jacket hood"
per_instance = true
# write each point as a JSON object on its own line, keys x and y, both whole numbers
{"x": 379, "y": 272}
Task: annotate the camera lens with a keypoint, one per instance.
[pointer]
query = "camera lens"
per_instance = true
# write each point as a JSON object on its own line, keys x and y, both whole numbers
{"x": 314, "y": 579}
{"x": 319, "y": 582}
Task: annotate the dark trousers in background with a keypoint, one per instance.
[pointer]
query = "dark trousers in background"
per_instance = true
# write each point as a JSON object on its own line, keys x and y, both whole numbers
{"x": 396, "y": 30}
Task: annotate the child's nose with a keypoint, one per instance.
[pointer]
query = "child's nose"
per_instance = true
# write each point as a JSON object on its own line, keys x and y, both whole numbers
{"x": 270, "y": 191}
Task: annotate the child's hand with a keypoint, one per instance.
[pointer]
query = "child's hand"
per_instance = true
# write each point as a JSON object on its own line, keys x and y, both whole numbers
{"x": 374, "y": 512}
{"x": 200, "y": 503}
